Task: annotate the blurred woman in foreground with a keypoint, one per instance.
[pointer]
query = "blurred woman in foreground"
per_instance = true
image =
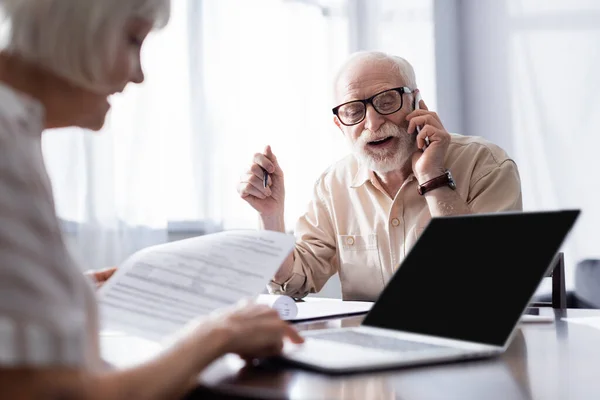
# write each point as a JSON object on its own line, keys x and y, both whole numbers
{"x": 60, "y": 62}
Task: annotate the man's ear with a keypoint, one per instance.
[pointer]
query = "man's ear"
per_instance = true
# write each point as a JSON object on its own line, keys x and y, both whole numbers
{"x": 337, "y": 122}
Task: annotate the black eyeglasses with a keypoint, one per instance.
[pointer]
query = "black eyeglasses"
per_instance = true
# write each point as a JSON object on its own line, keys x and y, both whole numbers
{"x": 385, "y": 103}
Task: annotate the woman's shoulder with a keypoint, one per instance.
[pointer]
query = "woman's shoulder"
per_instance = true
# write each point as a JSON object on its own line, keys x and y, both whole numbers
{"x": 21, "y": 117}
{"x": 21, "y": 124}
{"x": 27, "y": 207}
{"x": 22, "y": 169}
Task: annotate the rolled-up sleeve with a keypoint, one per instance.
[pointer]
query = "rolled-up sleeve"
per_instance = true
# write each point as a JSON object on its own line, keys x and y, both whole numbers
{"x": 497, "y": 189}
{"x": 314, "y": 256}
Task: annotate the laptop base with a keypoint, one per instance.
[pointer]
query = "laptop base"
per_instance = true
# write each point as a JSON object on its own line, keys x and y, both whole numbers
{"x": 283, "y": 362}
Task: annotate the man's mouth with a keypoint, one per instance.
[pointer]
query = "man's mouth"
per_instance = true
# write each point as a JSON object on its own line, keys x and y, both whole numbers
{"x": 380, "y": 142}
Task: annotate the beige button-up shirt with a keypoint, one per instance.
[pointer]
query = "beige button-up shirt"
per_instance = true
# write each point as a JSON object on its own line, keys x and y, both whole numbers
{"x": 354, "y": 228}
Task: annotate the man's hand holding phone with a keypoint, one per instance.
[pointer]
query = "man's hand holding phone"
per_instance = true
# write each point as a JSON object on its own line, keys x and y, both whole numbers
{"x": 432, "y": 138}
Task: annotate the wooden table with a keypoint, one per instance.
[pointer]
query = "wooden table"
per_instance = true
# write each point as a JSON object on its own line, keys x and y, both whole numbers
{"x": 546, "y": 361}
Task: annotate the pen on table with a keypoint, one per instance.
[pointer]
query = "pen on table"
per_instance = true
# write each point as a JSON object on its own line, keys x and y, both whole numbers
{"x": 265, "y": 177}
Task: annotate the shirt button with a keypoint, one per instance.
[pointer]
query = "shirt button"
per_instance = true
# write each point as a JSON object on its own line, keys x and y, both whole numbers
{"x": 350, "y": 241}
{"x": 395, "y": 222}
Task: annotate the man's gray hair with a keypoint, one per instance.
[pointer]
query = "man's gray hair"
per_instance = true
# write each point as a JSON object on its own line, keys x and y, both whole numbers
{"x": 74, "y": 39}
{"x": 398, "y": 64}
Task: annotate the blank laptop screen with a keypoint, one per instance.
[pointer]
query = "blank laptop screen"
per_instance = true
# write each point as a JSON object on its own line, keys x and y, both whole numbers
{"x": 470, "y": 278}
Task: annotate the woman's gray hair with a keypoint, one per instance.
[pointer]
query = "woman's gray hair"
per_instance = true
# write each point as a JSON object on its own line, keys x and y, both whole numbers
{"x": 399, "y": 66}
{"x": 74, "y": 39}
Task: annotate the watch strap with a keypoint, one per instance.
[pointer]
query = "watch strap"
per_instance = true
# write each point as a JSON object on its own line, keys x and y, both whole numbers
{"x": 438, "y": 181}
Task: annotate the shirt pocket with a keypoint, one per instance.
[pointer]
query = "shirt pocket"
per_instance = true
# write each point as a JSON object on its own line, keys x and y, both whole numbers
{"x": 355, "y": 243}
{"x": 360, "y": 266}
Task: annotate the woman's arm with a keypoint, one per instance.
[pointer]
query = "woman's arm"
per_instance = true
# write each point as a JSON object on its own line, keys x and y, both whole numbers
{"x": 169, "y": 376}
{"x": 251, "y": 331}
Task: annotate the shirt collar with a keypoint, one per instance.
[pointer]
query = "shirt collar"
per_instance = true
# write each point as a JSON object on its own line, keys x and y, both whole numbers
{"x": 363, "y": 175}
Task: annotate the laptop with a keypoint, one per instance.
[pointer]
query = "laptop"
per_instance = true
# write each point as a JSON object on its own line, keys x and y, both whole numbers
{"x": 458, "y": 295}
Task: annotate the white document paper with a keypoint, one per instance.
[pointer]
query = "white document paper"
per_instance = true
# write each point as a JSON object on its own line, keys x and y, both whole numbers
{"x": 320, "y": 307}
{"x": 312, "y": 307}
{"x": 593, "y": 322}
{"x": 160, "y": 289}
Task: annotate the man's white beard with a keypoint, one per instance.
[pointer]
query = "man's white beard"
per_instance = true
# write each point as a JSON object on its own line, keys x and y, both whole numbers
{"x": 388, "y": 159}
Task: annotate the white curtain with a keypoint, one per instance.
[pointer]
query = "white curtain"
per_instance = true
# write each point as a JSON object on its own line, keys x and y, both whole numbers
{"x": 555, "y": 105}
{"x": 268, "y": 68}
{"x": 117, "y": 189}
{"x": 532, "y": 86}
{"x": 406, "y": 28}
{"x": 224, "y": 79}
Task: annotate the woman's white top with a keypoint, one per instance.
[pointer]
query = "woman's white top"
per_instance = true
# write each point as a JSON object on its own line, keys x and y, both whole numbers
{"x": 48, "y": 310}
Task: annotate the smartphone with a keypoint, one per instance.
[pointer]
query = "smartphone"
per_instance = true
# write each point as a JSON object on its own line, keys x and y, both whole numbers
{"x": 416, "y": 107}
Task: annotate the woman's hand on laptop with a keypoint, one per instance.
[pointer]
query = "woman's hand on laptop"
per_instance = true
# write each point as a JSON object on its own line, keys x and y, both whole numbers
{"x": 254, "y": 331}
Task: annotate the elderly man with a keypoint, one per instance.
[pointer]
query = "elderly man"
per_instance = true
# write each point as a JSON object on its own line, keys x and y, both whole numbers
{"x": 369, "y": 208}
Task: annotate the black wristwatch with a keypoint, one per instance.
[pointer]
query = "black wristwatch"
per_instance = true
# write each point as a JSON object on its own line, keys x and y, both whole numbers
{"x": 442, "y": 180}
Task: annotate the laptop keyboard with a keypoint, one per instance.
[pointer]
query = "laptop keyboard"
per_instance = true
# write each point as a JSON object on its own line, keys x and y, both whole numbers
{"x": 375, "y": 341}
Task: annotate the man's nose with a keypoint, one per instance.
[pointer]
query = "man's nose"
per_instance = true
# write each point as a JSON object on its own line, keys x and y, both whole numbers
{"x": 373, "y": 120}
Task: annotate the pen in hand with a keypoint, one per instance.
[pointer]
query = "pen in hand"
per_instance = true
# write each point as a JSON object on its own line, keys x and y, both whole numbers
{"x": 265, "y": 178}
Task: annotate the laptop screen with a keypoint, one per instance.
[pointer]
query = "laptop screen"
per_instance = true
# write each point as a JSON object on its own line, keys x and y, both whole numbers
{"x": 471, "y": 277}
